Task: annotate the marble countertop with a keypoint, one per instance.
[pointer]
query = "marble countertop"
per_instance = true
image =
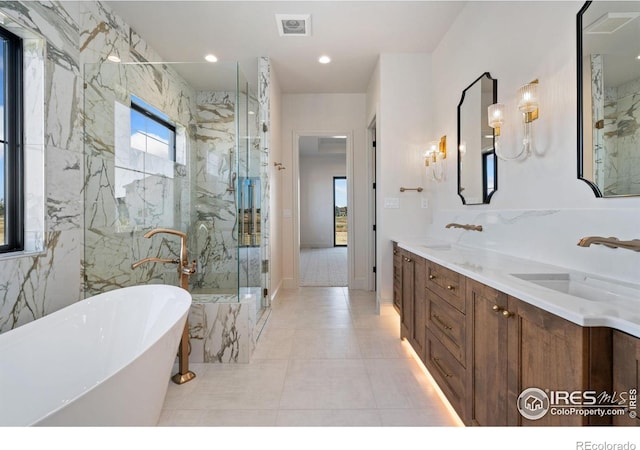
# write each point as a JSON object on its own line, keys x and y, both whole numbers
{"x": 620, "y": 311}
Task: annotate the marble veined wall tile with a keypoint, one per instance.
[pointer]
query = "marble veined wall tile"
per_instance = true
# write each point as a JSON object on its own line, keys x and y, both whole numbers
{"x": 222, "y": 332}
{"x": 33, "y": 286}
{"x": 37, "y": 284}
{"x": 215, "y": 225}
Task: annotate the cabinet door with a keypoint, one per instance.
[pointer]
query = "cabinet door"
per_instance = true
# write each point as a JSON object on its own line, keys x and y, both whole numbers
{"x": 486, "y": 355}
{"x": 407, "y": 295}
{"x": 418, "y": 330}
{"x": 626, "y": 372}
{"x": 545, "y": 352}
{"x": 397, "y": 277}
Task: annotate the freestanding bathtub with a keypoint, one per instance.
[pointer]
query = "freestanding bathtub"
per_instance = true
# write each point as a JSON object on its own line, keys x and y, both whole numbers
{"x": 103, "y": 361}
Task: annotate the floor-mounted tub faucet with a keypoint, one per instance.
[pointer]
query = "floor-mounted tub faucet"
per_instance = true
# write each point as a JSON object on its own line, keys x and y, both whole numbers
{"x": 184, "y": 270}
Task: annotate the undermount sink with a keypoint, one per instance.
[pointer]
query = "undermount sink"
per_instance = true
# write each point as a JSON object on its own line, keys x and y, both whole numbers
{"x": 584, "y": 286}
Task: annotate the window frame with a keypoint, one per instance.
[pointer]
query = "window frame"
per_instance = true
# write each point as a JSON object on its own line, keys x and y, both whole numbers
{"x": 160, "y": 121}
{"x": 14, "y": 149}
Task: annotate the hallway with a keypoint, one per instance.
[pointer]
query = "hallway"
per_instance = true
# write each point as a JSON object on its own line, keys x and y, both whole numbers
{"x": 325, "y": 358}
{"x": 323, "y": 266}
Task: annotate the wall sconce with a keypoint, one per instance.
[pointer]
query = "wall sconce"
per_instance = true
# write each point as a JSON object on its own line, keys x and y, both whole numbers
{"x": 528, "y": 106}
{"x": 435, "y": 159}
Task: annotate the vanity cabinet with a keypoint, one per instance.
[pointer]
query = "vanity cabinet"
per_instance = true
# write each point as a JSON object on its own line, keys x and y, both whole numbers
{"x": 397, "y": 277}
{"x": 412, "y": 299}
{"x": 484, "y": 347}
{"x": 626, "y": 372}
{"x": 514, "y": 345}
{"x": 445, "y": 351}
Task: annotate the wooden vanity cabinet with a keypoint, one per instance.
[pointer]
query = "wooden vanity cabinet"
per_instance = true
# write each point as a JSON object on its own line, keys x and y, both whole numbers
{"x": 397, "y": 277}
{"x": 487, "y": 353}
{"x": 484, "y": 347}
{"x": 626, "y": 372}
{"x": 445, "y": 350}
{"x": 412, "y": 315}
{"x": 514, "y": 345}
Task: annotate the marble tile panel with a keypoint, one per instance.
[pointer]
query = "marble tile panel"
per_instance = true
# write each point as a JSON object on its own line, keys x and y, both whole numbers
{"x": 64, "y": 181}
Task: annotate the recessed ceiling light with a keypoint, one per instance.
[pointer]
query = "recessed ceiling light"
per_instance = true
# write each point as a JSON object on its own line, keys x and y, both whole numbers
{"x": 211, "y": 58}
{"x": 324, "y": 59}
{"x": 113, "y": 58}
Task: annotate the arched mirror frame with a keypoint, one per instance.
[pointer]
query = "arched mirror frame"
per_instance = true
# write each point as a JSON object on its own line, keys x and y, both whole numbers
{"x": 585, "y": 127}
{"x": 486, "y": 198}
{"x": 579, "y": 47}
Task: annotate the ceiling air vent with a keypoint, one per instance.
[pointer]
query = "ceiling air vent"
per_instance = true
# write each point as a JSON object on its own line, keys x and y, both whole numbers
{"x": 294, "y": 24}
{"x": 611, "y": 22}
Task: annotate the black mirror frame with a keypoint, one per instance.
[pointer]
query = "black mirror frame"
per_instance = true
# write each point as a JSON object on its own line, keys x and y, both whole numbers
{"x": 485, "y": 198}
{"x": 580, "y": 74}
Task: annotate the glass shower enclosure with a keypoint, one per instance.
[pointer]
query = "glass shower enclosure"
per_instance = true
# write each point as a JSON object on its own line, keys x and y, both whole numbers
{"x": 173, "y": 145}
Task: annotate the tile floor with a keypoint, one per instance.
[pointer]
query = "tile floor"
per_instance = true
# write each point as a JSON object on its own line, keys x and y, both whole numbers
{"x": 325, "y": 358}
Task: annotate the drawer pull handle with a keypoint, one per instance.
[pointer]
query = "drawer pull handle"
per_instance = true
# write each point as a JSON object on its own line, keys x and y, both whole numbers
{"x": 496, "y": 308}
{"x": 432, "y": 277}
{"x": 436, "y": 361}
{"x": 395, "y": 252}
{"x": 507, "y": 313}
{"x": 451, "y": 288}
{"x": 442, "y": 322}
{"x": 408, "y": 259}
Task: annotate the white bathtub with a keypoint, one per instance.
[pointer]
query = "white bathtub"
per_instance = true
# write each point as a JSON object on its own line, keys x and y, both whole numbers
{"x": 106, "y": 360}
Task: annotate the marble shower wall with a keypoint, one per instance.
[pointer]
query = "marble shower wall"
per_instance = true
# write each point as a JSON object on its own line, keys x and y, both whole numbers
{"x": 215, "y": 222}
{"x": 128, "y": 191}
{"x": 621, "y": 135}
{"x": 38, "y": 283}
{"x": 77, "y": 38}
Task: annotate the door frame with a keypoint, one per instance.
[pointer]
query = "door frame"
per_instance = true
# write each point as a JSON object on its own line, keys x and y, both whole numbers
{"x": 296, "y": 135}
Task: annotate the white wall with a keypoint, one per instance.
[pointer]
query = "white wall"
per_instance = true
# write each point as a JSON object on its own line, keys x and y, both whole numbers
{"x": 403, "y": 120}
{"x": 315, "y": 115}
{"x": 540, "y": 209}
{"x": 316, "y": 198}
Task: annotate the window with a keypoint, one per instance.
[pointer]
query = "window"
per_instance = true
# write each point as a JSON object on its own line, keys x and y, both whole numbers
{"x": 151, "y": 130}
{"x": 11, "y": 185}
{"x": 340, "y": 231}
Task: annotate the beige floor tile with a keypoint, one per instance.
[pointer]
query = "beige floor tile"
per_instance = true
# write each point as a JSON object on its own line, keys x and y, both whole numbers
{"x": 239, "y": 418}
{"x": 329, "y": 418}
{"x": 400, "y": 383}
{"x": 325, "y": 357}
{"x": 340, "y": 343}
{"x": 436, "y": 416}
{"x": 327, "y": 384}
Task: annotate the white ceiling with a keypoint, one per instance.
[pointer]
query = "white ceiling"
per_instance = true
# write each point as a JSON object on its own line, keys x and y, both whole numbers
{"x": 352, "y": 33}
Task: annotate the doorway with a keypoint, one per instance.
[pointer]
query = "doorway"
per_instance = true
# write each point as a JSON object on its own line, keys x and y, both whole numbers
{"x": 322, "y": 208}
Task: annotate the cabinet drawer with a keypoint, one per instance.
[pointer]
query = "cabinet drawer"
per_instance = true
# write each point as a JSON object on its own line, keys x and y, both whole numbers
{"x": 447, "y": 284}
{"x": 448, "y": 325}
{"x": 447, "y": 371}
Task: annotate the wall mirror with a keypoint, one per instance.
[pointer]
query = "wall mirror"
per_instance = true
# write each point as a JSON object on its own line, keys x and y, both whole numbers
{"x": 608, "y": 37}
{"x": 477, "y": 161}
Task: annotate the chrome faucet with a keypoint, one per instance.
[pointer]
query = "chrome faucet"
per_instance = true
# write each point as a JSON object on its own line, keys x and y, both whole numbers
{"x": 611, "y": 242}
{"x": 184, "y": 269}
{"x": 466, "y": 227}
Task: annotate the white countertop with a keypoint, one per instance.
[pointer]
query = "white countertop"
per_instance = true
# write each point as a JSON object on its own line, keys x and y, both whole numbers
{"x": 621, "y": 312}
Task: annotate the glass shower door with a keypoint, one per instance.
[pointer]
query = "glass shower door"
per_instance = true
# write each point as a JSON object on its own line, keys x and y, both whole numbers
{"x": 249, "y": 196}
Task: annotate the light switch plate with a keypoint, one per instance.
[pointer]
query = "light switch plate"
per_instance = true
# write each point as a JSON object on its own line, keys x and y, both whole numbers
{"x": 424, "y": 203}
